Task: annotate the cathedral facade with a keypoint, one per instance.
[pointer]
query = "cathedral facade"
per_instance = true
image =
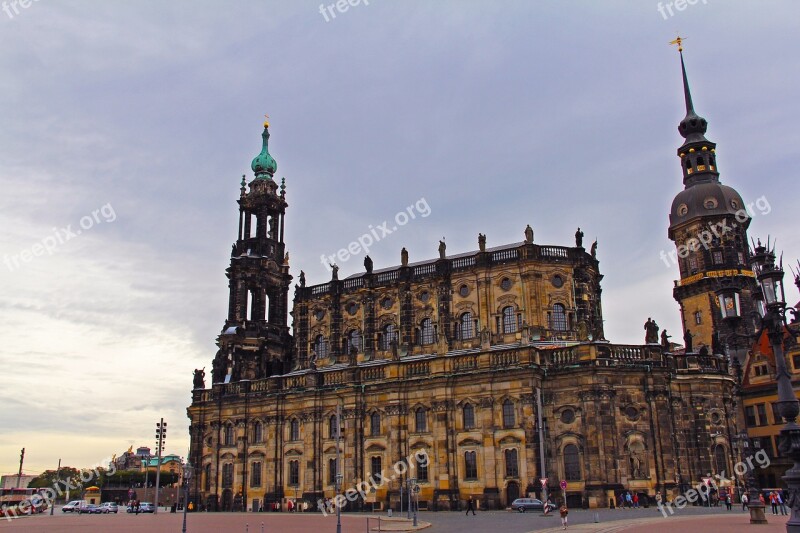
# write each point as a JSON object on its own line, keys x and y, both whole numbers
{"x": 477, "y": 375}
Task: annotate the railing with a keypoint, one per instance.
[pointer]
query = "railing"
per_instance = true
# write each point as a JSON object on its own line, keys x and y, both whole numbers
{"x": 504, "y": 359}
{"x": 387, "y": 277}
{"x": 354, "y": 283}
{"x": 629, "y": 353}
{"x": 465, "y": 363}
{"x": 565, "y": 356}
{"x": 423, "y": 270}
{"x": 262, "y": 385}
{"x": 558, "y": 252}
{"x": 505, "y": 255}
{"x": 320, "y": 289}
{"x": 463, "y": 262}
{"x": 372, "y": 374}
{"x": 335, "y": 378}
{"x": 294, "y": 382}
{"x": 421, "y": 368}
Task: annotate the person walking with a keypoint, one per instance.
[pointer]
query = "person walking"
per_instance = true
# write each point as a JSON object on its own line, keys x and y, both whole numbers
{"x": 564, "y": 512}
{"x": 779, "y": 500}
{"x": 773, "y": 502}
{"x": 635, "y": 500}
{"x": 470, "y": 506}
{"x": 745, "y": 499}
{"x": 728, "y": 501}
{"x": 628, "y": 500}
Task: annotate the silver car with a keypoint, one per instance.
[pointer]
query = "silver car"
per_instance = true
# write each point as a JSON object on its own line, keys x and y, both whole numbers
{"x": 109, "y": 507}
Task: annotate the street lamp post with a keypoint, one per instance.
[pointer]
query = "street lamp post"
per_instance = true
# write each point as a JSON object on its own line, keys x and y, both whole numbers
{"x": 187, "y": 475}
{"x": 770, "y": 277}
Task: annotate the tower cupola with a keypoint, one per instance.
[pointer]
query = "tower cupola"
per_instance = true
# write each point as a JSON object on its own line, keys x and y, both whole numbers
{"x": 264, "y": 165}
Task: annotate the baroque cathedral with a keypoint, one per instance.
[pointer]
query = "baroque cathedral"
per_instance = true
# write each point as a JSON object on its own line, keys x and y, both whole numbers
{"x": 492, "y": 363}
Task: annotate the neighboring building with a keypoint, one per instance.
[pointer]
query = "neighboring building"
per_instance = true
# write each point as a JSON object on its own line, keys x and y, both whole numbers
{"x": 450, "y": 356}
{"x": 759, "y": 397}
{"x": 12, "y": 481}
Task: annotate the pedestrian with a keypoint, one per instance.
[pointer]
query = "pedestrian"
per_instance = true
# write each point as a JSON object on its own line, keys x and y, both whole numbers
{"x": 745, "y": 498}
{"x": 779, "y": 499}
{"x": 564, "y": 512}
{"x": 658, "y": 499}
{"x": 636, "y": 500}
{"x": 628, "y": 500}
{"x": 773, "y": 502}
{"x": 470, "y": 506}
{"x": 728, "y": 501}
{"x": 136, "y": 507}
{"x": 761, "y": 498}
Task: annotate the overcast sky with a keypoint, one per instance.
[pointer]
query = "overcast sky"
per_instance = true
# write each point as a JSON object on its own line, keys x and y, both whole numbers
{"x": 134, "y": 122}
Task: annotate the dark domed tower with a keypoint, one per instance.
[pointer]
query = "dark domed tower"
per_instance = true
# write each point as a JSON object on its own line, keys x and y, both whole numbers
{"x": 708, "y": 223}
{"x": 255, "y": 341}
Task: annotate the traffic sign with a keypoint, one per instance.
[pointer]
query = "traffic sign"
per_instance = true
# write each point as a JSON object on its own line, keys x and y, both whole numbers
{"x": 563, "y": 484}
{"x": 543, "y": 481}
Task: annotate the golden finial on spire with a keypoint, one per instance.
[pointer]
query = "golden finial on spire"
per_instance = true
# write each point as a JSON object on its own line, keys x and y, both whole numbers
{"x": 679, "y": 41}
{"x": 266, "y": 121}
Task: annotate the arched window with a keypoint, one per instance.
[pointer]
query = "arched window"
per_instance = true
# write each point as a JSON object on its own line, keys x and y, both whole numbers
{"x": 258, "y": 432}
{"x": 470, "y": 465}
{"x": 469, "y": 416}
{"x": 572, "y": 463}
{"x": 388, "y": 337}
{"x": 426, "y": 332}
{"x": 720, "y": 459}
{"x": 375, "y": 424}
{"x": 353, "y": 341}
{"x": 509, "y": 420}
{"x": 509, "y": 320}
{"x": 421, "y": 420}
{"x": 512, "y": 464}
{"x": 294, "y": 429}
{"x": 320, "y": 346}
{"x": 465, "y": 329}
{"x": 558, "y": 318}
{"x": 229, "y": 437}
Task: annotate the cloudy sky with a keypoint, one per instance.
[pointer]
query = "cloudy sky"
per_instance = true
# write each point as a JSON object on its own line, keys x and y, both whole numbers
{"x": 134, "y": 121}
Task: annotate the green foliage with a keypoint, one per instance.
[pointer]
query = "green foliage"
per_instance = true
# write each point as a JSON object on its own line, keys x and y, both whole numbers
{"x": 48, "y": 478}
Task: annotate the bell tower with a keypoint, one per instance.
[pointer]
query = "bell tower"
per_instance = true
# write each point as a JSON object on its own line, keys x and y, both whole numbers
{"x": 255, "y": 341}
{"x": 708, "y": 224}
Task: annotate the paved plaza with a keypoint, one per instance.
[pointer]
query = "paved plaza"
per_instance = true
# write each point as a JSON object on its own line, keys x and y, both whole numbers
{"x": 636, "y": 520}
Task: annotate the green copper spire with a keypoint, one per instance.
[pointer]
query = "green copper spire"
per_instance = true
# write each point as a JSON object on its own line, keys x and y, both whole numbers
{"x": 264, "y": 165}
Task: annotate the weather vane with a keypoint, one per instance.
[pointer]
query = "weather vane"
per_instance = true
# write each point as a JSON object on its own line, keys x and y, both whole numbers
{"x": 266, "y": 121}
{"x": 679, "y": 42}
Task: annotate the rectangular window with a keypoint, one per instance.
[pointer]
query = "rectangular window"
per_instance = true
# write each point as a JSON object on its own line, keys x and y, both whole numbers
{"x": 717, "y": 258}
{"x": 255, "y": 474}
{"x": 796, "y": 362}
{"x": 294, "y": 472}
{"x": 750, "y": 416}
{"x": 207, "y": 474}
{"x": 761, "y": 409}
{"x": 512, "y": 465}
{"x": 470, "y": 466}
{"x": 692, "y": 265}
{"x": 375, "y": 465}
{"x": 422, "y": 469}
{"x": 776, "y": 417}
{"x": 421, "y": 421}
{"x": 227, "y": 475}
{"x": 331, "y": 471}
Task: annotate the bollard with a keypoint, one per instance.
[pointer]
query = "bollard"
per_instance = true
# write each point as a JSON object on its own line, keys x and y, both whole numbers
{"x": 596, "y": 517}
{"x": 262, "y": 527}
{"x": 246, "y": 528}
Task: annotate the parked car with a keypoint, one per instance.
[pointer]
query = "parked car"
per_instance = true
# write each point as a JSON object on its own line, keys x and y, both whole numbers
{"x": 72, "y": 507}
{"x": 90, "y": 508}
{"x": 110, "y": 507}
{"x": 527, "y": 504}
{"x": 144, "y": 507}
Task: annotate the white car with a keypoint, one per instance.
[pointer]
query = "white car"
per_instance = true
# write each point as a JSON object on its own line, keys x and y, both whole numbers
{"x": 72, "y": 507}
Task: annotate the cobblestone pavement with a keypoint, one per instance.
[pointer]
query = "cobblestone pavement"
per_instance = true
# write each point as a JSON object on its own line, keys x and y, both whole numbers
{"x": 635, "y": 521}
